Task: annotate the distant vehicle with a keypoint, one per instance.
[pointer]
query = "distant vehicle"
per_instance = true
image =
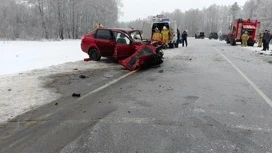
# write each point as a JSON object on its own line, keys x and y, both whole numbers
{"x": 239, "y": 26}
{"x": 213, "y": 35}
{"x": 200, "y": 36}
{"x": 223, "y": 37}
{"x": 123, "y": 45}
{"x": 159, "y": 22}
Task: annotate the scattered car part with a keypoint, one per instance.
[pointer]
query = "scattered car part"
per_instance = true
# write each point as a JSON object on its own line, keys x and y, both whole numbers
{"x": 75, "y": 95}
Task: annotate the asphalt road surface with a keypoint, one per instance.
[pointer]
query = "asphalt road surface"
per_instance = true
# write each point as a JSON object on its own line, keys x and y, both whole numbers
{"x": 209, "y": 97}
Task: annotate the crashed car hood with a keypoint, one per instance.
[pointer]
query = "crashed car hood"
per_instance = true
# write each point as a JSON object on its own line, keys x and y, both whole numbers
{"x": 143, "y": 54}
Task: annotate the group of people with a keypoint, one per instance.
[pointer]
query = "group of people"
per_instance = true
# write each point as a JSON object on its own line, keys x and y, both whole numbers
{"x": 264, "y": 40}
{"x": 165, "y": 35}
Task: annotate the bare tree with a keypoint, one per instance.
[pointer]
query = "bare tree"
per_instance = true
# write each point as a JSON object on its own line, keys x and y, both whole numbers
{"x": 235, "y": 8}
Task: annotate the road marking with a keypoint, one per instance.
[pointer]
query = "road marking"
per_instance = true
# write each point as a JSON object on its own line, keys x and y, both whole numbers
{"x": 43, "y": 118}
{"x": 37, "y": 120}
{"x": 106, "y": 85}
{"x": 258, "y": 90}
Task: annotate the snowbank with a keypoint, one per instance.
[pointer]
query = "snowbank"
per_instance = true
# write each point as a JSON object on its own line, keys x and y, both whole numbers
{"x": 20, "y": 56}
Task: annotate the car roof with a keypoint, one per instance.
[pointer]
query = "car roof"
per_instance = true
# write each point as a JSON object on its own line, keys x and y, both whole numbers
{"x": 127, "y": 30}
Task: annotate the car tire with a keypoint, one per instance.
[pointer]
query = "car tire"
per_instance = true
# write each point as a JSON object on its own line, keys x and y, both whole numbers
{"x": 94, "y": 54}
{"x": 227, "y": 41}
{"x": 232, "y": 42}
{"x": 251, "y": 44}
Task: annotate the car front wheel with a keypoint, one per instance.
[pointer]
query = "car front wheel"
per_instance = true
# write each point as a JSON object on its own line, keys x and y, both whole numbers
{"x": 94, "y": 54}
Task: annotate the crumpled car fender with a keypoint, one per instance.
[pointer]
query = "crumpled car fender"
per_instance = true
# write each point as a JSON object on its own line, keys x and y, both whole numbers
{"x": 144, "y": 56}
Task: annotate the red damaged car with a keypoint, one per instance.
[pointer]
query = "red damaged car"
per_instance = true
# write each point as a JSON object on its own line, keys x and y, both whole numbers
{"x": 124, "y": 45}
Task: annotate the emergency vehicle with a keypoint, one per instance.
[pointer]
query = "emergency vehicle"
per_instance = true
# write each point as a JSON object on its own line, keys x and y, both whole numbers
{"x": 239, "y": 26}
{"x": 159, "y": 22}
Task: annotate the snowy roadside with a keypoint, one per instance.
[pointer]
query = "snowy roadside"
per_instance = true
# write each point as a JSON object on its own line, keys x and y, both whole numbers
{"x": 24, "y": 67}
{"x": 25, "y": 91}
{"x": 258, "y": 50}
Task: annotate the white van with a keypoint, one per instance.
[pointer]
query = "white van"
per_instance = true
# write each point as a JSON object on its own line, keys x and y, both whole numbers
{"x": 159, "y": 22}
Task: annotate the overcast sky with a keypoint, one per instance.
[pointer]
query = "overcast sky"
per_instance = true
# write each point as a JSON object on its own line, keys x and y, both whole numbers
{"x": 135, "y": 9}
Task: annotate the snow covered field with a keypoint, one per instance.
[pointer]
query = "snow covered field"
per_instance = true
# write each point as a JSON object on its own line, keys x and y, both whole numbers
{"x": 20, "y": 56}
{"x": 24, "y": 66}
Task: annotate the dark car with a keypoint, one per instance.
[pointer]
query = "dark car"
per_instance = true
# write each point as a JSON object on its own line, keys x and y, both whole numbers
{"x": 121, "y": 44}
{"x": 223, "y": 37}
{"x": 213, "y": 35}
{"x": 200, "y": 36}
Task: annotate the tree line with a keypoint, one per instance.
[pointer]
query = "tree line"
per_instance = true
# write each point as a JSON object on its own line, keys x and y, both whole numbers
{"x": 216, "y": 18}
{"x": 55, "y": 19}
{"x": 70, "y": 19}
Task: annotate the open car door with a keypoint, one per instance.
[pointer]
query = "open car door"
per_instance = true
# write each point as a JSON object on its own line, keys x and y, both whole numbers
{"x": 123, "y": 47}
{"x": 173, "y": 27}
{"x": 147, "y": 31}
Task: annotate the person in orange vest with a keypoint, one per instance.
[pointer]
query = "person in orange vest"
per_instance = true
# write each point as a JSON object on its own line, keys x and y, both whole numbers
{"x": 157, "y": 36}
{"x": 165, "y": 35}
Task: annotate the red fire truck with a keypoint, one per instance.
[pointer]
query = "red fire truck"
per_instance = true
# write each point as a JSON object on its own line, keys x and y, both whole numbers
{"x": 238, "y": 27}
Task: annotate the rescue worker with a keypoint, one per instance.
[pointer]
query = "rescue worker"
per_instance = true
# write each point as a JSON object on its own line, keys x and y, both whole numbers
{"x": 184, "y": 38}
{"x": 165, "y": 35}
{"x": 157, "y": 36}
{"x": 260, "y": 41}
{"x": 244, "y": 39}
{"x": 178, "y": 34}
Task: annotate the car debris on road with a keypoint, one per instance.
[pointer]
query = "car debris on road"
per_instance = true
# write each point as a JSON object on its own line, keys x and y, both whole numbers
{"x": 82, "y": 76}
{"x": 75, "y": 95}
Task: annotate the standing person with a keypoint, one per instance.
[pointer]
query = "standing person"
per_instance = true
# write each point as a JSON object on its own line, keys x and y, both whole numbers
{"x": 260, "y": 40}
{"x": 178, "y": 39}
{"x": 184, "y": 38}
{"x": 266, "y": 40}
{"x": 244, "y": 39}
{"x": 165, "y": 35}
{"x": 269, "y": 40}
